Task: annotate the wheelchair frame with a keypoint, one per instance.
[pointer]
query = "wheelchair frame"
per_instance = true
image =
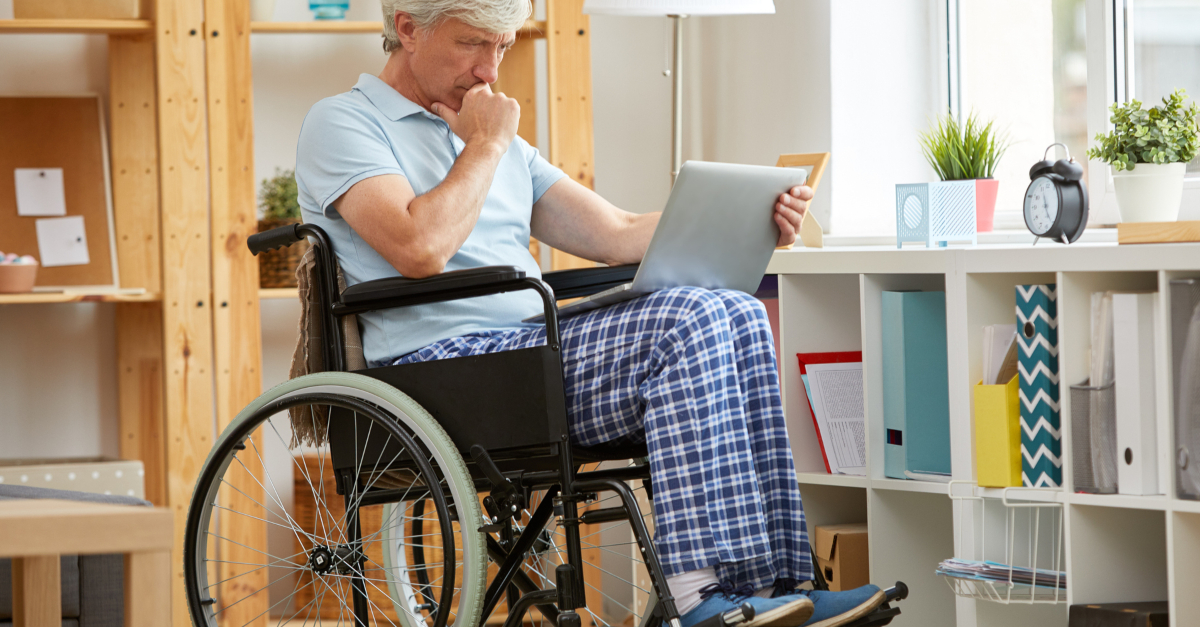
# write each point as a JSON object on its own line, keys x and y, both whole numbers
{"x": 508, "y": 464}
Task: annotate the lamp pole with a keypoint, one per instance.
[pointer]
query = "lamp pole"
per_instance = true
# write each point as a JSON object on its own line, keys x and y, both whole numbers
{"x": 677, "y": 100}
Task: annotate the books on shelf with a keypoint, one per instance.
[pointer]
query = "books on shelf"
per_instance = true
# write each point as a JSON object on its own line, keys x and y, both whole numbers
{"x": 999, "y": 353}
{"x": 1037, "y": 363}
{"x": 1138, "y": 465}
{"x": 834, "y": 388}
{"x": 916, "y": 394}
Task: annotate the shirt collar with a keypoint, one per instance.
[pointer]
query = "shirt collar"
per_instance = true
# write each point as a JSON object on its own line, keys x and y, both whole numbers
{"x": 389, "y": 101}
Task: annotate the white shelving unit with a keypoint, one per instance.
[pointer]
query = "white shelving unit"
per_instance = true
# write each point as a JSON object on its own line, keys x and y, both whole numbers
{"x": 1117, "y": 548}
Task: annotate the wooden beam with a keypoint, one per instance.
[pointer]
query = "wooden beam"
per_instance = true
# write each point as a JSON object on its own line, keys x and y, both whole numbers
{"x": 532, "y": 28}
{"x": 140, "y": 393}
{"x": 237, "y": 338}
{"x": 187, "y": 284}
{"x": 37, "y": 592}
{"x": 59, "y": 26}
{"x": 518, "y": 80}
{"x": 134, "y": 145}
{"x": 569, "y": 61}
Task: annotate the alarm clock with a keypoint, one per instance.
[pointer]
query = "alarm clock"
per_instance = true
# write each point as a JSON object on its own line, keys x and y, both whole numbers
{"x": 1056, "y": 202}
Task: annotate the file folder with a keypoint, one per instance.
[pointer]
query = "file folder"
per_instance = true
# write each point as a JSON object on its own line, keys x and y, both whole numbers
{"x": 916, "y": 391}
{"x": 998, "y": 435}
{"x": 1037, "y": 365}
{"x": 1137, "y": 420}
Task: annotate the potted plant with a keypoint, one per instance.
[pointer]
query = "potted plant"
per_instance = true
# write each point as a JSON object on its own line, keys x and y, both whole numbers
{"x": 964, "y": 151}
{"x": 279, "y": 207}
{"x": 1149, "y": 151}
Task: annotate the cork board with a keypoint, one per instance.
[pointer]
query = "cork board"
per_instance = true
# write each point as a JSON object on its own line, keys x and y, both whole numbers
{"x": 68, "y": 133}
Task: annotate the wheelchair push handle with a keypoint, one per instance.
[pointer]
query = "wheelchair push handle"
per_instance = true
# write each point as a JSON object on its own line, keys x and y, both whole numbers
{"x": 280, "y": 237}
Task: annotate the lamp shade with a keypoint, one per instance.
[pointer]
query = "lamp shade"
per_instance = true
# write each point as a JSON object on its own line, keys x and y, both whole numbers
{"x": 677, "y": 7}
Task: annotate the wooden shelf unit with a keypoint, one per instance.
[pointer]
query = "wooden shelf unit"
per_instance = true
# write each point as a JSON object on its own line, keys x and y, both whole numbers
{"x": 36, "y": 298}
{"x": 87, "y": 27}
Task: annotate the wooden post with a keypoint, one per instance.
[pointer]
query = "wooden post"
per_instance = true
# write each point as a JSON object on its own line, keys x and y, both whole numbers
{"x": 133, "y": 108}
{"x": 237, "y": 338}
{"x": 37, "y": 593}
{"x": 186, "y": 250}
{"x": 569, "y": 61}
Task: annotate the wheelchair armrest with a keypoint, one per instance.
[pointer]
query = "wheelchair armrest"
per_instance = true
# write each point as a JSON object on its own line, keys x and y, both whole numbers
{"x": 400, "y": 291}
{"x": 587, "y": 281}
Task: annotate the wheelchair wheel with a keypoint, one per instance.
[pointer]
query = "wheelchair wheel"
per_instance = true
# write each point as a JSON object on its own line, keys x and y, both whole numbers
{"x": 310, "y": 532}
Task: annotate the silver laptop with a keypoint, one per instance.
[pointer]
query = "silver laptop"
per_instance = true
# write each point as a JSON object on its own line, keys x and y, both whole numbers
{"x": 716, "y": 232}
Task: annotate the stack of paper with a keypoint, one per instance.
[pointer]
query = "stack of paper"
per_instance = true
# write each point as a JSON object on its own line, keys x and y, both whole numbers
{"x": 999, "y": 353}
{"x": 994, "y": 571}
{"x": 836, "y": 395}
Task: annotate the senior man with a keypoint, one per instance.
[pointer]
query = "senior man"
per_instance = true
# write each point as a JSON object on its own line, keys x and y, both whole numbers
{"x": 419, "y": 170}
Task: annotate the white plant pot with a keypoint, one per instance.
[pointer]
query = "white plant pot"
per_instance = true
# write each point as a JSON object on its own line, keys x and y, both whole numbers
{"x": 262, "y": 10}
{"x": 1150, "y": 192}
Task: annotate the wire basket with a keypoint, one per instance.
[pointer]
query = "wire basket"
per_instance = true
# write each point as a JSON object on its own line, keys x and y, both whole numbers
{"x": 1026, "y": 561}
{"x": 1094, "y": 438}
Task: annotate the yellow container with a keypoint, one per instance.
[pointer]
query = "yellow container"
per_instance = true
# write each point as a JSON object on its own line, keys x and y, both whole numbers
{"x": 998, "y": 435}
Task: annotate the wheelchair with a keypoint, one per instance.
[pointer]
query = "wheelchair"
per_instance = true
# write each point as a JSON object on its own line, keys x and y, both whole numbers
{"x": 435, "y": 494}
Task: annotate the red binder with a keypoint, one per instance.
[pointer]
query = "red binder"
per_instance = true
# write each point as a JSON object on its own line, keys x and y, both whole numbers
{"x": 844, "y": 357}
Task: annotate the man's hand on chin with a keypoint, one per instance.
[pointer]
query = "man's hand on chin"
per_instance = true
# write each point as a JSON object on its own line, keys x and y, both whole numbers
{"x": 484, "y": 118}
{"x": 789, "y": 213}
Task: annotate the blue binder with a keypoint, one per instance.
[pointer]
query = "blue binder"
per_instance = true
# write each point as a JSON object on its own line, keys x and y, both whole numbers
{"x": 1037, "y": 362}
{"x": 916, "y": 389}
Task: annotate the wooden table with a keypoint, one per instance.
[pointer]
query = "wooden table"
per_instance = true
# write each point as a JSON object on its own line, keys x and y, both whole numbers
{"x": 36, "y": 532}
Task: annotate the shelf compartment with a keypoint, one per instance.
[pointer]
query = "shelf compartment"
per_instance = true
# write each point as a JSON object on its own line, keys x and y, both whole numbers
{"x": 818, "y": 313}
{"x": 833, "y": 505}
{"x": 532, "y": 28}
{"x": 1185, "y": 549}
{"x": 38, "y": 298}
{"x": 1116, "y": 554}
{"x": 909, "y": 485}
{"x": 61, "y": 26}
{"x": 909, "y": 534}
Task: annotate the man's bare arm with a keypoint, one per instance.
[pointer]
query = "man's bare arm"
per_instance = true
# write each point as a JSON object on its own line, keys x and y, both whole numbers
{"x": 577, "y": 220}
{"x": 419, "y": 234}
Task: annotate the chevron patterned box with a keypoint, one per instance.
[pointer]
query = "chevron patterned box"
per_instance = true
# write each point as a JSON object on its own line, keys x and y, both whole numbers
{"x": 1037, "y": 363}
{"x": 936, "y": 212}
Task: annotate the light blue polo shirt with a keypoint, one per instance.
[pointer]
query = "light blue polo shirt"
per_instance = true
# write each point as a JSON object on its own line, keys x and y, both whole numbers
{"x": 373, "y": 130}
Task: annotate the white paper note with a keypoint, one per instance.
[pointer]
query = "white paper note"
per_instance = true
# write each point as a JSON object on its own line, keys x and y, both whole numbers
{"x": 62, "y": 242}
{"x": 40, "y": 192}
{"x": 837, "y": 395}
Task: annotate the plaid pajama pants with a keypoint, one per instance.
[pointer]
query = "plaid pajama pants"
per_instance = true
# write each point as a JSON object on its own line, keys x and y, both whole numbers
{"x": 691, "y": 372}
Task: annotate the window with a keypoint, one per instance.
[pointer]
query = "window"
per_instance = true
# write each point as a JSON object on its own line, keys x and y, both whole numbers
{"x": 1162, "y": 52}
{"x": 1023, "y": 64}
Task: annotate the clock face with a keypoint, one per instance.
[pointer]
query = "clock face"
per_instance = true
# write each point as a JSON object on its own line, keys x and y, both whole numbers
{"x": 1041, "y": 206}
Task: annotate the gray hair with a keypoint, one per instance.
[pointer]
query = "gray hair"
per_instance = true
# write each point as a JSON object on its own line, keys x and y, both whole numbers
{"x": 494, "y": 16}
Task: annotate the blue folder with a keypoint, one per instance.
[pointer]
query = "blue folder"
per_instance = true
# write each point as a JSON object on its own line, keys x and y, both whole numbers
{"x": 916, "y": 389}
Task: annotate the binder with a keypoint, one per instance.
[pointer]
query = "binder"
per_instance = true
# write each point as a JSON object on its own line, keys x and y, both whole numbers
{"x": 998, "y": 435}
{"x": 1133, "y": 370}
{"x": 1037, "y": 365}
{"x": 1185, "y": 344}
{"x": 916, "y": 391}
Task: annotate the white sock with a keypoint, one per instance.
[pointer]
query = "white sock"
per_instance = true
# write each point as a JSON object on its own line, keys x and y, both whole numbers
{"x": 686, "y": 588}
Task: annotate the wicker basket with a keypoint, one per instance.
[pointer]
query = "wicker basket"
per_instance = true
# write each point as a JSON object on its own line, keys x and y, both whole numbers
{"x": 277, "y": 268}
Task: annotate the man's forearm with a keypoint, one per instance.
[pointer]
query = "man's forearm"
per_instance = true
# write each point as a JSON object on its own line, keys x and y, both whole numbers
{"x": 445, "y": 216}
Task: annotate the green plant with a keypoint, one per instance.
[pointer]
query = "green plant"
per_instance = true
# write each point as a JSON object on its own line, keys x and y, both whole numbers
{"x": 278, "y": 196}
{"x": 1164, "y": 134}
{"x": 963, "y": 150}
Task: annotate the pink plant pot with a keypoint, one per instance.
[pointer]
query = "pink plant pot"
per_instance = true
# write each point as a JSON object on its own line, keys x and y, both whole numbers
{"x": 17, "y": 278}
{"x": 985, "y": 203}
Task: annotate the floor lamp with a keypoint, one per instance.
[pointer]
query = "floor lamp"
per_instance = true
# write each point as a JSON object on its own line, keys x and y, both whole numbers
{"x": 677, "y": 10}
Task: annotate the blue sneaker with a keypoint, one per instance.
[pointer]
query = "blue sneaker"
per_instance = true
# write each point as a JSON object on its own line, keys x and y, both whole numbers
{"x": 790, "y": 611}
{"x": 831, "y": 609}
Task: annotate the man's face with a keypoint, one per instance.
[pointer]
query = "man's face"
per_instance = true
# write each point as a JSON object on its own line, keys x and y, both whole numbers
{"x": 454, "y": 57}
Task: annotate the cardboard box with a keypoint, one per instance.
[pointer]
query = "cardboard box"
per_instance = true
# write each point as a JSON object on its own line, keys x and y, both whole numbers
{"x": 83, "y": 9}
{"x": 842, "y": 555}
{"x": 1149, "y": 614}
